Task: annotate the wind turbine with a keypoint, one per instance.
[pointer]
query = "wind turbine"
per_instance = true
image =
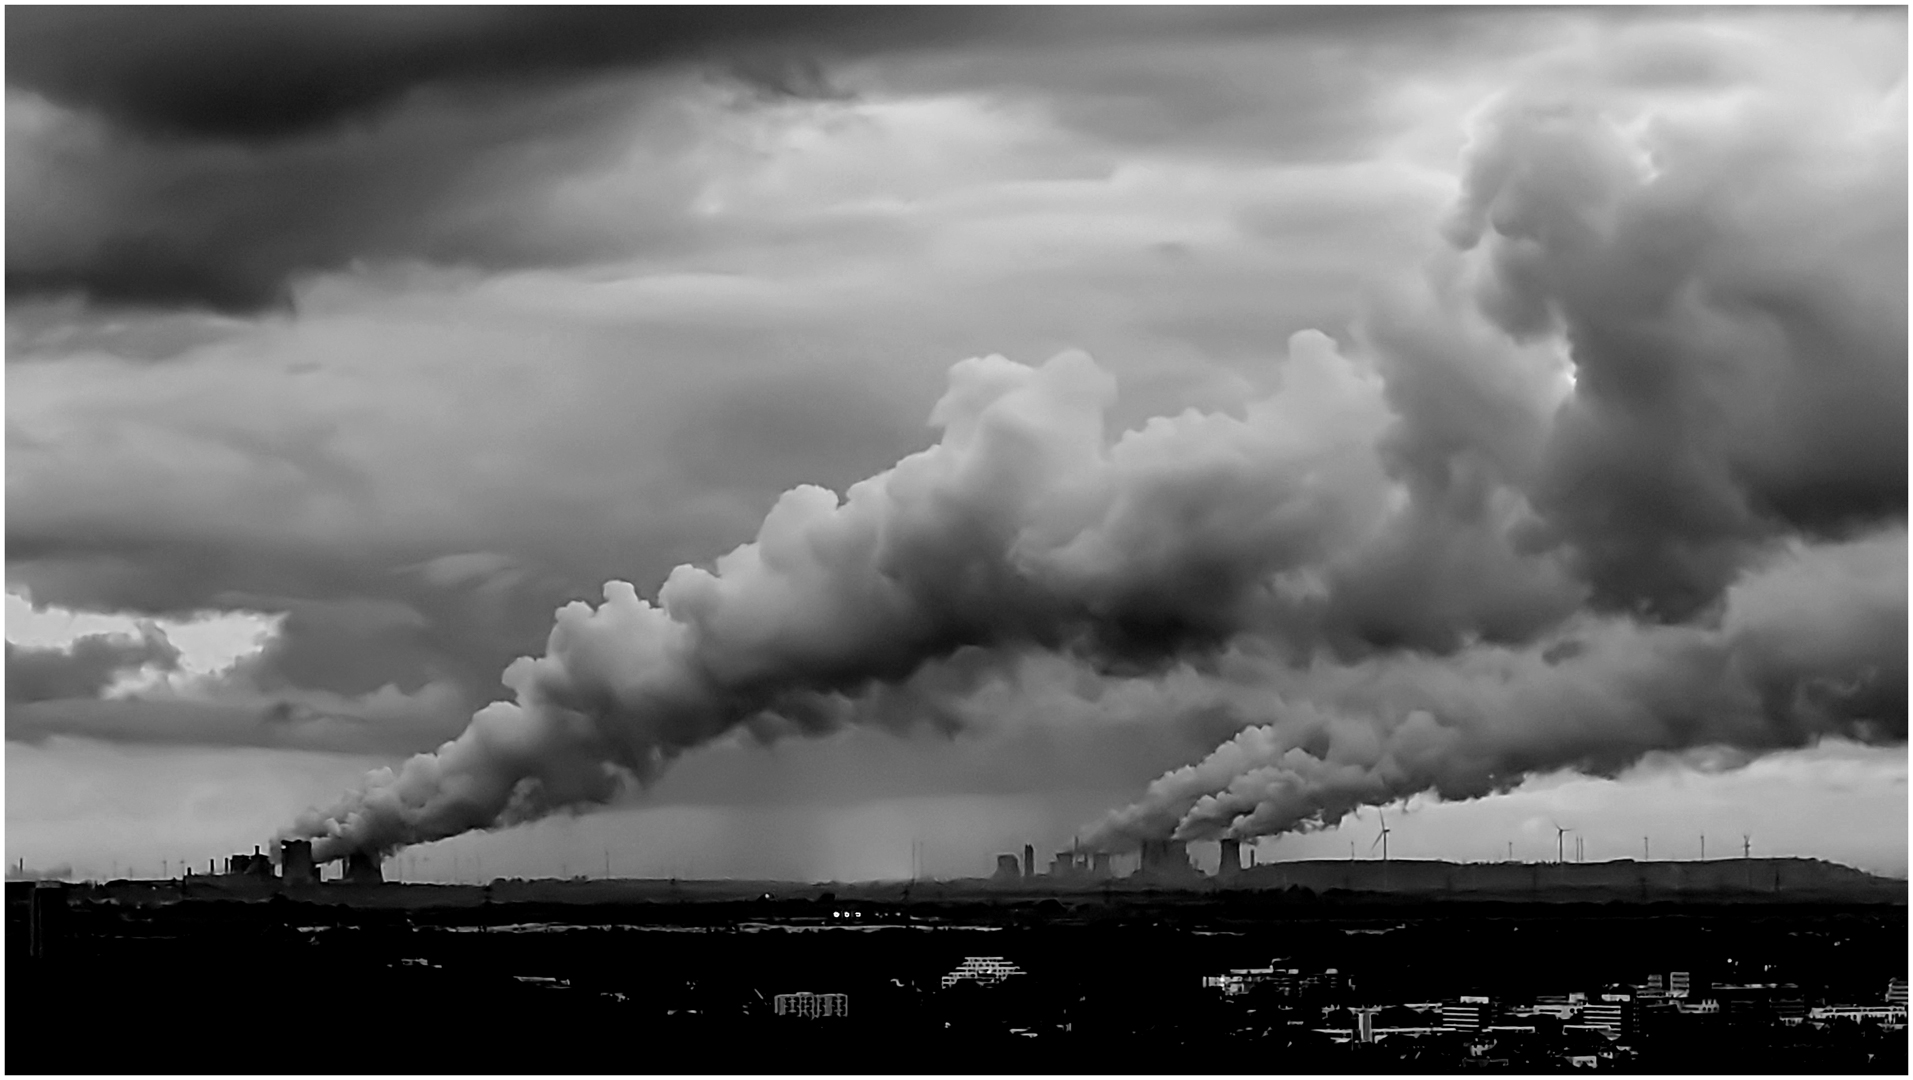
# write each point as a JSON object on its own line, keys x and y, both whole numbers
{"x": 1382, "y": 837}
{"x": 1560, "y": 846}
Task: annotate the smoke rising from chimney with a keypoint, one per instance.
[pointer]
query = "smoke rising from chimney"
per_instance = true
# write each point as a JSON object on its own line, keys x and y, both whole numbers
{"x": 1626, "y": 471}
{"x": 1022, "y": 526}
{"x": 1814, "y": 646}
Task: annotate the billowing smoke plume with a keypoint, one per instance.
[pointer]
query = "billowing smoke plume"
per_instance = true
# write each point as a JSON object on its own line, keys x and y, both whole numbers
{"x": 1023, "y": 526}
{"x": 1626, "y": 471}
{"x": 1814, "y": 646}
{"x": 1717, "y": 241}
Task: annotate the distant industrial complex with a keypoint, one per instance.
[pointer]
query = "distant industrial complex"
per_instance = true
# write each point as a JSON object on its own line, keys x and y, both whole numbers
{"x": 295, "y": 867}
{"x": 1167, "y": 865}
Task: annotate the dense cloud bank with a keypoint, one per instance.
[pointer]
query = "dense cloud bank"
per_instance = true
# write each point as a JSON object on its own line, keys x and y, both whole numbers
{"x": 87, "y": 667}
{"x": 208, "y": 158}
{"x": 261, "y": 74}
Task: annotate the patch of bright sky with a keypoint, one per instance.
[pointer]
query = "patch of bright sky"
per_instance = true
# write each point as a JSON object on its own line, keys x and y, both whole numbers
{"x": 208, "y": 643}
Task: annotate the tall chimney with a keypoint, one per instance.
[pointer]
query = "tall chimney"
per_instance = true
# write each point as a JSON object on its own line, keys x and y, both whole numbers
{"x": 1029, "y": 860}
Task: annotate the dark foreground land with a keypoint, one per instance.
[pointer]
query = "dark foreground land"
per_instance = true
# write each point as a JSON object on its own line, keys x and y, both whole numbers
{"x": 408, "y": 978}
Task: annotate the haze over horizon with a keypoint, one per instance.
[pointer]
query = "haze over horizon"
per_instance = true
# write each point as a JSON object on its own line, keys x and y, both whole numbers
{"x": 996, "y": 426}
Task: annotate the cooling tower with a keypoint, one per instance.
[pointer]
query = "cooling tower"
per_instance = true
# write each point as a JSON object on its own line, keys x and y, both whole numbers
{"x": 1165, "y": 859}
{"x": 1006, "y": 868}
{"x": 1231, "y": 863}
{"x": 295, "y": 862}
{"x": 363, "y": 869}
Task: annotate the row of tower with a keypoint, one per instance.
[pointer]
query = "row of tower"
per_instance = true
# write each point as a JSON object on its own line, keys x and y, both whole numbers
{"x": 297, "y": 868}
{"x": 1159, "y": 859}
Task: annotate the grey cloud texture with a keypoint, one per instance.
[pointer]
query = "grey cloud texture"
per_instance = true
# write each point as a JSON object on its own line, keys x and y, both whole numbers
{"x": 385, "y": 722}
{"x": 272, "y": 73}
{"x": 560, "y": 319}
{"x": 84, "y": 669}
{"x": 1620, "y": 415}
{"x": 213, "y": 158}
{"x": 1733, "y": 296}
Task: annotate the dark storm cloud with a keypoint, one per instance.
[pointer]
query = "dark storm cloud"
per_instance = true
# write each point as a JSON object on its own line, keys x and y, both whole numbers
{"x": 264, "y": 73}
{"x": 241, "y": 146}
{"x": 197, "y": 224}
{"x": 205, "y": 157}
{"x": 85, "y": 668}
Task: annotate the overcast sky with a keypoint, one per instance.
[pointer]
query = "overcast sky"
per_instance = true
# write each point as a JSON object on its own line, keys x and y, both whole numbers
{"x": 1499, "y": 415}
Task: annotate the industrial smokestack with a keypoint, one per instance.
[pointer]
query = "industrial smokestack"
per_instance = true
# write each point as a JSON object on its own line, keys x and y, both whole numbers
{"x": 1163, "y": 858}
{"x": 1029, "y": 860}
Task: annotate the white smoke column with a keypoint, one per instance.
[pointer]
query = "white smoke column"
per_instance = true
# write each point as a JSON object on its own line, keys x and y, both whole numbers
{"x": 1724, "y": 277}
{"x": 1812, "y": 646}
{"x": 1022, "y": 526}
{"x": 1711, "y": 227}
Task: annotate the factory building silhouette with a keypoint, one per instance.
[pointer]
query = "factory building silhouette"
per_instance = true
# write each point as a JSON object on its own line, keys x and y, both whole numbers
{"x": 1166, "y": 863}
{"x": 296, "y": 867}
